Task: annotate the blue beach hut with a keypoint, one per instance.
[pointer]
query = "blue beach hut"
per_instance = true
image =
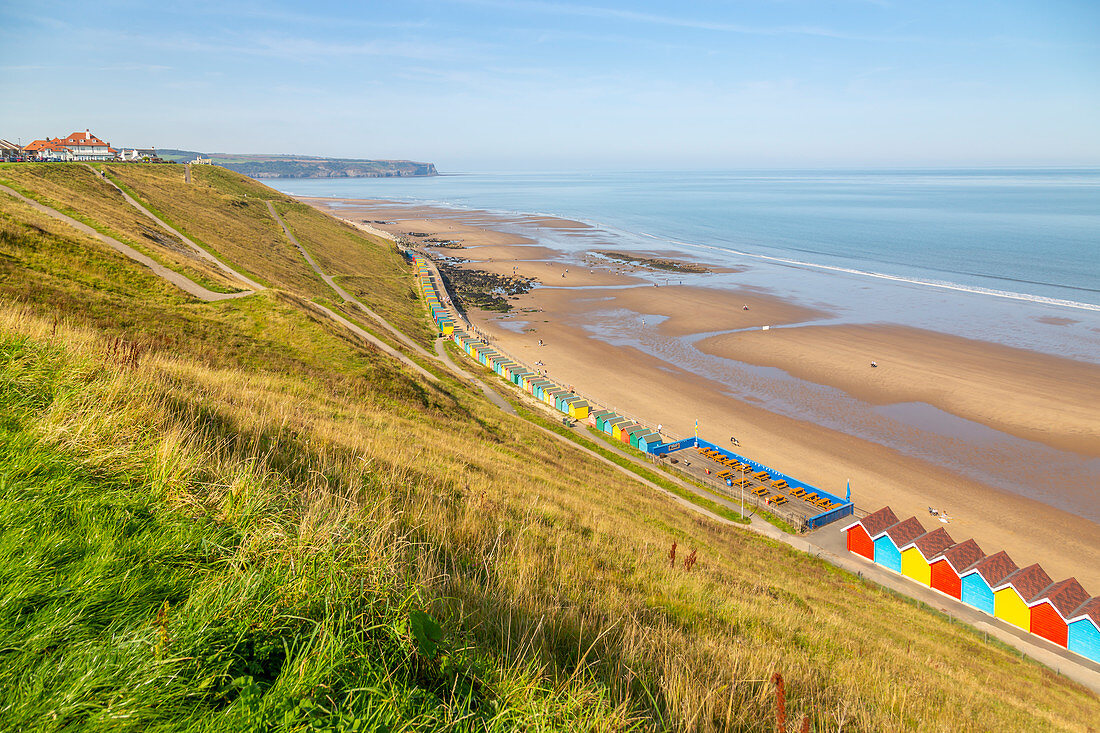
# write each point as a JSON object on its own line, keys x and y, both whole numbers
{"x": 1084, "y": 630}
{"x": 977, "y": 581}
{"x": 888, "y": 545}
{"x": 646, "y": 443}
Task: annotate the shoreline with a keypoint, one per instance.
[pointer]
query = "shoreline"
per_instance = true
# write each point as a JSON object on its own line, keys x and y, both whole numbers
{"x": 609, "y": 300}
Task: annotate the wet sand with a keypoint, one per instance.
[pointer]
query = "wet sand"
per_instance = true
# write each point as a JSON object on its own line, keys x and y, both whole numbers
{"x": 1033, "y": 396}
{"x": 1048, "y": 399}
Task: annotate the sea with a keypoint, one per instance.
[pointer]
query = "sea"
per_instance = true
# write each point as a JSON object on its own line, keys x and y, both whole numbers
{"x": 1010, "y": 256}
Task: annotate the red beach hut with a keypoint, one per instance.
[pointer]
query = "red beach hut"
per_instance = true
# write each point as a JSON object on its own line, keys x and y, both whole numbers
{"x": 860, "y": 534}
{"x": 1052, "y": 609}
{"x": 947, "y": 566}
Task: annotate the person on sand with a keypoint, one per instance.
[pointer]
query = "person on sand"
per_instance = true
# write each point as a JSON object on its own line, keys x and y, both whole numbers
{"x": 874, "y": 364}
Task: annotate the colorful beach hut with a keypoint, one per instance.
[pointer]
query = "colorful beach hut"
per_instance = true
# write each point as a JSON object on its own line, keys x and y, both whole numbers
{"x": 947, "y": 567}
{"x": 888, "y": 545}
{"x": 1084, "y": 630}
{"x": 649, "y": 441}
{"x": 861, "y": 534}
{"x": 610, "y": 424}
{"x": 595, "y": 416}
{"x": 579, "y": 409}
{"x": 621, "y": 432}
{"x": 915, "y": 556}
{"x": 1011, "y": 595}
{"x": 1053, "y": 607}
{"x": 977, "y": 581}
{"x": 635, "y": 433}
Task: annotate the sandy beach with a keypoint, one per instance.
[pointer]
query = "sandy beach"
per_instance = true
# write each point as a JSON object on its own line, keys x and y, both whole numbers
{"x": 1046, "y": 400}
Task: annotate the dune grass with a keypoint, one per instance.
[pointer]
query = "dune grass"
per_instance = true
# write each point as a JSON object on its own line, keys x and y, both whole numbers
{"x": 309, "y": 511}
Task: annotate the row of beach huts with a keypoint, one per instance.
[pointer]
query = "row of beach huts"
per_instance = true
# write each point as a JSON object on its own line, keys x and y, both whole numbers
{"x": 1061, "y": 612}
{"x": 536, "y": 384}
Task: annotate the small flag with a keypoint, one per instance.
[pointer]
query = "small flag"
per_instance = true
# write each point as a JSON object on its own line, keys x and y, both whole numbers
{"x": 697, "y": 428}
{"x": 848, "y": 496}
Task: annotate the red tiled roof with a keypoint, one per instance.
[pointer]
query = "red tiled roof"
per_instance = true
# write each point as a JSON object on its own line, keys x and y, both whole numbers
{"x": 1089, "y": 609}
{"x": 933, "y": 543}
{"x": 879, "y": 521}
{"x": 994, "y": 568}
{"x": 1028, "y": 582}
{"x": 1066, "y": 596}
{"x": 905, "y": 532}
{"x": 83, "y": 138}
{"x": 962, "y": 555}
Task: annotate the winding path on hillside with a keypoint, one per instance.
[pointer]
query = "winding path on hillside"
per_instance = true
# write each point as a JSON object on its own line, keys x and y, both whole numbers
{"x": 183, "y": 283}
{"x": 331, "y": 282}
{"x": 490, "y": 394}
{"x": 202, "y": 253}
{"x": 358, "y": 331}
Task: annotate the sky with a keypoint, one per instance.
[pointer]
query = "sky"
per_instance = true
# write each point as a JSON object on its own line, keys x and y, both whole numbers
{"x": 488, "y": 85}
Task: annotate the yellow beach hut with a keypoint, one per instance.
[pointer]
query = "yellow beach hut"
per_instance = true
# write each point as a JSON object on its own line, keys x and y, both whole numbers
{"x": 1011, "y": 595}
{"x": 916, "y": 554}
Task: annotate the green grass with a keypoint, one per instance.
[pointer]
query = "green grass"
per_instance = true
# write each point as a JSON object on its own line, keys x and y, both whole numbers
{"x": 371, "y": 269}
{"x": 300, "y": 500}
{"x": 75, "y": 191}
{"x": 121, "y": 612}
{"x": 619, "y": 460}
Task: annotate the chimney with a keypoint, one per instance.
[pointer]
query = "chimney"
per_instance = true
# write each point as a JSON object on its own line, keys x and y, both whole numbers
{"x": 87, "y": 134}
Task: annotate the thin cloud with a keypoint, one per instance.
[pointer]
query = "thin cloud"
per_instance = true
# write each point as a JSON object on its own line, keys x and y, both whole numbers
{"x": 592, "y": 11}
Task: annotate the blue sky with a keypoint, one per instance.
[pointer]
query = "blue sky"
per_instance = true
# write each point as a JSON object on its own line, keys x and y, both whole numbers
{"x": 533, "y": 85}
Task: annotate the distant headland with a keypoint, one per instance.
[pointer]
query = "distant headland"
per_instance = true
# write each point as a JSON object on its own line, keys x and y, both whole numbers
{"x": 305, "y": 166}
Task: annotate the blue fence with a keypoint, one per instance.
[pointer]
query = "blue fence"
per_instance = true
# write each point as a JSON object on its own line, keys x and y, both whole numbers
{"x": 678, "y": 445}
{"x": 819, "y": 520}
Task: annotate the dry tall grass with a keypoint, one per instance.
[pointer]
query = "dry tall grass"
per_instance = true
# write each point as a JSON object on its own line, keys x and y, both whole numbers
{"x": 546, "y": 558}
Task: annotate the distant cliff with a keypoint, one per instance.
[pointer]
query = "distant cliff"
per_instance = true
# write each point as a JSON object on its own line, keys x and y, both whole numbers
{"x": 302, "y": 166}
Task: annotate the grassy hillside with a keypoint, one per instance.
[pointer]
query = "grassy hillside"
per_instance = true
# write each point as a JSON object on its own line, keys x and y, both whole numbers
{"x": 231, "y": 516}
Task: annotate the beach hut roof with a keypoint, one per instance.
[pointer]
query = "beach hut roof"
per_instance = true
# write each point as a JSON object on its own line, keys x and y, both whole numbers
{"x": 994, "y": 568}
{"x": 1090, "y": 609}
{"x": 1066, "y": 596}
{"x": 962, "y": 555}
{"x": 877, "y": 522}
{"x": 1028, "y": 582}
{"x": 905, "y": 532}
{"x": 932, "y": 543}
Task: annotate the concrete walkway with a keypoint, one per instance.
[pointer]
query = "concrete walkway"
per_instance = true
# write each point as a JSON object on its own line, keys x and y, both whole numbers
{"x": 199, "y": 251}
{"x": 188, "y": 286}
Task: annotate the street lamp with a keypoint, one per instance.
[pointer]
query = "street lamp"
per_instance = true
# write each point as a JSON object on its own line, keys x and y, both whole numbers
{"x": 742, "y": 489}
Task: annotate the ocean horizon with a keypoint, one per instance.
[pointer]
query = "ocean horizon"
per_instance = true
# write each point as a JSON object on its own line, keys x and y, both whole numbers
{"x": 1010, "y": 255}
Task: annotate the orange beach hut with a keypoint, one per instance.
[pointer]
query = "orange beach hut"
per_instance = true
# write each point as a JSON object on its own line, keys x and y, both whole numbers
{"x": 1053, "y": 607}
{"x": 861, "y": 534}
{"x": 946, "y": 568}
{"x": 916, "y": 554}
